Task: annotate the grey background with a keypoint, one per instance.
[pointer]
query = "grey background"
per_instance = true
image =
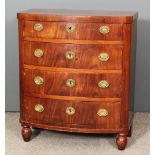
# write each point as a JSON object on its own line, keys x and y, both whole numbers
{"x": 142, "y": 87}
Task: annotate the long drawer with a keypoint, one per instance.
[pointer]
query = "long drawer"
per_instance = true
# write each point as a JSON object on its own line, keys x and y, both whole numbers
{"x": 78, "y": 31}
{"x": 104, "y": 115}
{"x": 73, "y": 55}
{"x": 72, "y": 84}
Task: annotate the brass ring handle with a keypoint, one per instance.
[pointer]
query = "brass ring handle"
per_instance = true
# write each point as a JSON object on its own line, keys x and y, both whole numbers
{"x": 70, "y": 55}
{"x": 103, "y": 84}
{"x": 102, "y": 112}
{"x": 38, "y": 80}
{"x": 104, "y": 29}
{"x": 38, "y": 27}
{"x": 70, "y": 110}
{"x": 70, "y": 28}
{"x": 103, "y": 56}
{"x": 70, "y": 83}
{"x": 38, "y": 53}
{"x": 39, "y": 108}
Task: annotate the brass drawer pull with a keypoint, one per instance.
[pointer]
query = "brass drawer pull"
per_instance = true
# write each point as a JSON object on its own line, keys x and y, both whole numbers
{"x": 70, "y": 110}
{"x": 70, "y": 83}
{"x": 38, "y": 53}
{"x": 70, "y": 28}
{"x": 39, "y": 108}
{"x": 104, "y": 29}
{"x": 103, "y": 56}
{"x": 103, "y": 84}
{"x": 102, "y": 112}
{"x": 38, "y": 27}
{"x": 38, "y": 80}
{"x": 70, "y": 55}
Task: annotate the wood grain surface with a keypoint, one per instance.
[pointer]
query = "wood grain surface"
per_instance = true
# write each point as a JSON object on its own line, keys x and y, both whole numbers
{"x": 86, "y": 84}
{"x": 79, "y": 16}
{"x": 85, "y": 113}
{"x": 86, "y": 56}
{"x": 84, "y": 31}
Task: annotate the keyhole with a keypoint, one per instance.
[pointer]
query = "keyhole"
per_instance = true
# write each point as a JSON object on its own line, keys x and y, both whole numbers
{"x": 70, "y": 110}
{"x": 70, "y": 28}
{"x": 70, "y": 82}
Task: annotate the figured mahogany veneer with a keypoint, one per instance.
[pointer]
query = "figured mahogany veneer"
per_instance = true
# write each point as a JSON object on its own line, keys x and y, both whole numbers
{"x": 83, "y": 31}
{"x": 77, "y": 71}
{"x": 86, "y": 56}
{"x": 55, "y": 84}
{"x": 55, "y": 113}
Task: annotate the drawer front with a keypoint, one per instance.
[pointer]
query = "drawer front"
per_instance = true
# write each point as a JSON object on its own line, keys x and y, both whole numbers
{"x": 79, "y": 31}
{"x": 73, "y": 84}
{"x": 73, "y": 56}
{"x": 103, "y": 115}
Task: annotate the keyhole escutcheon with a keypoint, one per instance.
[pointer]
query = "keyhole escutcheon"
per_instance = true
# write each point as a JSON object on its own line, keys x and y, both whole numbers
{"x": 70, "y": 28}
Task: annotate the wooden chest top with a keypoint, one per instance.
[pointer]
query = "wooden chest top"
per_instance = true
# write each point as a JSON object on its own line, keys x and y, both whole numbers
{"x": 92, "y": 16}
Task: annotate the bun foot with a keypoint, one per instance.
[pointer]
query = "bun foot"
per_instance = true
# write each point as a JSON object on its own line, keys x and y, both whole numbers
{"x": 121, "y": 141}
{"x": 26, "y": 133}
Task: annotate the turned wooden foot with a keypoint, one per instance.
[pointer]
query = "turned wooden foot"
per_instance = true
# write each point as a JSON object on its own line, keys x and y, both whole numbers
{"x": 121, "y": 141}
{"x": 130, "y": 132}
{"x": 26, "y": 133}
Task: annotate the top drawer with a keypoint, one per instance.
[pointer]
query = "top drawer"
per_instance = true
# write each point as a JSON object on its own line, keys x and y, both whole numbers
{"x": 79, "y": 31}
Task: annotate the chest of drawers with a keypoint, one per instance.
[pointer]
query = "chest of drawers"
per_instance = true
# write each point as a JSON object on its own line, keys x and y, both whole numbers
{"x": 77, "y": 71}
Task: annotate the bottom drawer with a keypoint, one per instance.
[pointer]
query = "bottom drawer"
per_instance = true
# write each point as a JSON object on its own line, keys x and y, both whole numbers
{"x": 94, "y": 115}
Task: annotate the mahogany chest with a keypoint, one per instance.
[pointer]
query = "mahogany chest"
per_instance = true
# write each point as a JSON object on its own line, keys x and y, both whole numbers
{"x": 77, "y": 71}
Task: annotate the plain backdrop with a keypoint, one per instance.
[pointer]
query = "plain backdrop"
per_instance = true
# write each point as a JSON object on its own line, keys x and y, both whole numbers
{"x": 142, "y": 83}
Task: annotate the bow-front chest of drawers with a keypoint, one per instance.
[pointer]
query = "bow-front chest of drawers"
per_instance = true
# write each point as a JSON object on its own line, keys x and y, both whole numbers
{"x": 77, "y": 71}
